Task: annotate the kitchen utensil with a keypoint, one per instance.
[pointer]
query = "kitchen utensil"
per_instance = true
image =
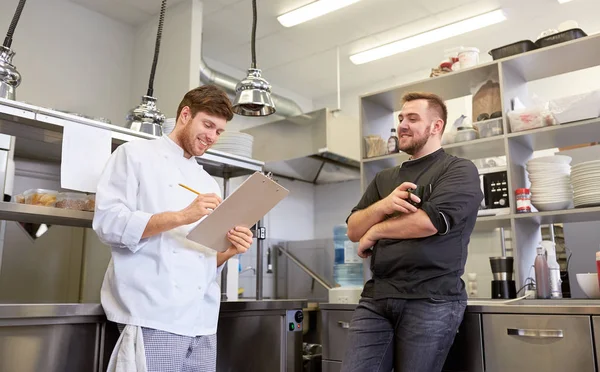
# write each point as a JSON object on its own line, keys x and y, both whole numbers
{"x": 588, "y": 282}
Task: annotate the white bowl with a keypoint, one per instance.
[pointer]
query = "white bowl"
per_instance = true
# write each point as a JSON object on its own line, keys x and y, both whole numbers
{"x": 589, "y": 284}
{"x": 562, "y": 159}
{"x": 552, "y": 205}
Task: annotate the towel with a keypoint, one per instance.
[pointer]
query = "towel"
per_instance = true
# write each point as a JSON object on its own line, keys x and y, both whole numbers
{"x": 129, "y": 354}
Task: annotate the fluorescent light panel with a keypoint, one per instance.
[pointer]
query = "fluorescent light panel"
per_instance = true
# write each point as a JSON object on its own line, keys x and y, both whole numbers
{"x": 429, "y": 37}
{"x": 564, "y": 1}
{"x": 312, "y": 10}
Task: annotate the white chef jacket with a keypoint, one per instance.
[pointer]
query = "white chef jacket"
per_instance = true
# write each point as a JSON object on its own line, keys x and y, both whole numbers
{"x": 164, "y": 282}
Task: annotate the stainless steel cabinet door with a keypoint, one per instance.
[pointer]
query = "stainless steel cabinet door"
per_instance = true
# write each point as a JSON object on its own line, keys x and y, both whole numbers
{"x": 549, "y": 343}
{"x": 329, "y": 366}
{"x": 335, "y": 332}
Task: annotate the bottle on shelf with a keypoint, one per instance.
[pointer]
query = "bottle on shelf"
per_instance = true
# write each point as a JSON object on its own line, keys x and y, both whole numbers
{"x": 553, "y": 269}
{"x": 542, "y": 275}
{"x": 347, "y": 266}
{"x": 393, "y": 144}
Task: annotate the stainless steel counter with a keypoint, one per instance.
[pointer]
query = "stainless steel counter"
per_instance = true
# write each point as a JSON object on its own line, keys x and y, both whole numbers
{"x": 564, "y": 306}
{"x": 10, "y": 311}
{"x": 77, "y": 337}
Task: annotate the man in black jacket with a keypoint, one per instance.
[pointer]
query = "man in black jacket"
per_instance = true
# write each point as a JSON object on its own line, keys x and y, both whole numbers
{"x": 410, "y": 311}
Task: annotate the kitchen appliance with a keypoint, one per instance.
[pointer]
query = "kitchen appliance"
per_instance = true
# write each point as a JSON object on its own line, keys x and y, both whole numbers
{"x": 9, "y": 76}
{"x": 503, "y": 285}
{"x": 146, "y": 117}
{"x": 495, "y": 190}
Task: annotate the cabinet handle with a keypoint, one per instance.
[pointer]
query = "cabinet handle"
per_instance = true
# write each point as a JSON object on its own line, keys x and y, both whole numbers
{"x": 537, "y": 333}
{"x": 345, "y": 325}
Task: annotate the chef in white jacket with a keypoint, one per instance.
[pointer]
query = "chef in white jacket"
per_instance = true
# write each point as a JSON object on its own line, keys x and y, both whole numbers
{"x": 158, "y": 282}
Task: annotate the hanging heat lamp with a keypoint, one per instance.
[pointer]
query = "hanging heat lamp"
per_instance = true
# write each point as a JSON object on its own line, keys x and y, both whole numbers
{"x": 253, "y": 94}
{"x": 146, "y": 117}
{"x": 9, "y": 76}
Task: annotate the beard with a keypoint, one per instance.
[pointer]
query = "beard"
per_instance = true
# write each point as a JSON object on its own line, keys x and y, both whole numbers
{"x": 187, "y": 140}
{"x": 416, "y": 144}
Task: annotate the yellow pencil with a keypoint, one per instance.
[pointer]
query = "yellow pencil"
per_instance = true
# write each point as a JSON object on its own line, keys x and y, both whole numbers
{"x": 189, "y": 188}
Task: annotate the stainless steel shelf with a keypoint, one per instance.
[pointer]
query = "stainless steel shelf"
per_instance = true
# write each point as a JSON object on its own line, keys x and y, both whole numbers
{"x": 47, "y": 215}
{"x": 568, "y": 134}
{"x": 39, "y": 136}
{"x": 564, "y": 216}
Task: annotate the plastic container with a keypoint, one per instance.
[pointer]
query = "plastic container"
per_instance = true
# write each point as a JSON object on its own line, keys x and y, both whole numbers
{"x": 560, "y": 37}
{"x": 468, "y": 57}
{"x": 43, "y": 197}
{"x": 489, "y": 128}
{"x": 576, "y": 107}
{"x": 542, "y": 275}
{"x": 90, "y": 204}
{"x": 519, "y": 47}
{"x": 465, "y": 134}
{"x": 523, "y": 197}
{"x": 530, "y": 118}
{"x": 347, "y": 267}
{"x": 19, "y": 199}
{"x": 553, "y": 269}
{"x": 72, "y": 200}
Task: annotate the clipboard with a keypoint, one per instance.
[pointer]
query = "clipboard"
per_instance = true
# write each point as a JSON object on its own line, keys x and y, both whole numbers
{"x": 255, "y": 197}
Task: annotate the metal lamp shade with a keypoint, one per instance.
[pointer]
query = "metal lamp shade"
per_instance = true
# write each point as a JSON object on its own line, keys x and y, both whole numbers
{"x": 253, "y": 96}
{"x": 146, "y": 117}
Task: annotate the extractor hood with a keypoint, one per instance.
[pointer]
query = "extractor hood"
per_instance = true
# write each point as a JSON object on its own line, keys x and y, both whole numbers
{"x": 318, "y": 147}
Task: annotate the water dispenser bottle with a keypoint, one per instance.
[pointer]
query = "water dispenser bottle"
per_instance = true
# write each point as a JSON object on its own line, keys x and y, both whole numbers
{"x": 347, "y": 267}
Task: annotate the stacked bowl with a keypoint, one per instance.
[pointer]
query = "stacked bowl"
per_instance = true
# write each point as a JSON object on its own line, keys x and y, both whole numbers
{"x": 235, "y": 143}
{"x": 586, "y": 179}
{"x": 550, "y": 178}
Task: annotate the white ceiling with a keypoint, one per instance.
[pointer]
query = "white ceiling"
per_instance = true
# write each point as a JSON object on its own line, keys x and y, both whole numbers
{"x": 303, "y": 58}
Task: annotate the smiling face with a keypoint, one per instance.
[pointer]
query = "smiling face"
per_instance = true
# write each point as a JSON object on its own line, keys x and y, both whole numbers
{"x": 419, "y": 128}
{"x": 198, "y": 133}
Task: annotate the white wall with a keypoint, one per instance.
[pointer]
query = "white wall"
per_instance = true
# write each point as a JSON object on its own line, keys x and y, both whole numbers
{"x": 71, "y": 58}
{"x": 333, "y": 204}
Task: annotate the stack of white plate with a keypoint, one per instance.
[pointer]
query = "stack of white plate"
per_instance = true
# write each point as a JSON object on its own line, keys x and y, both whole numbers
{"x": 236, "y": 143}
{"x": 550, "y": 178}
{"x": 586, "y": 179}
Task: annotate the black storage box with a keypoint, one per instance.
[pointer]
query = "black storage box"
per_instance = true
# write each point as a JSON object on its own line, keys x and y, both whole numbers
{"x": 512, "y": 49}
{"x": 561, "y": 37}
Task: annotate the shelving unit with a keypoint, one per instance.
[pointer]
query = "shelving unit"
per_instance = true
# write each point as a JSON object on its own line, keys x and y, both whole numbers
{"x": 377, "y": 115}
{"x": 39, "y": 136}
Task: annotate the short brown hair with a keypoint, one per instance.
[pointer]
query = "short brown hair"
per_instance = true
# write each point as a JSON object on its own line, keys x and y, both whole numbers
{"x": 208, "y": 99}
{"x": 434, "y": 102}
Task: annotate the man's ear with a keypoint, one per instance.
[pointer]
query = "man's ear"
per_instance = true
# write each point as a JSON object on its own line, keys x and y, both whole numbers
{"x": 438, "y": 127}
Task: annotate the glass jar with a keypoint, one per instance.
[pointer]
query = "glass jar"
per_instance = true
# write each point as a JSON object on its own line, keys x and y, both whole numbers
{"x": 523, "y": 197}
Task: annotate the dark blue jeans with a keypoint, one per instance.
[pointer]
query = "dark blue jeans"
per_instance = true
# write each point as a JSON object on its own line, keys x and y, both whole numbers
{"x": 406, "y": 335}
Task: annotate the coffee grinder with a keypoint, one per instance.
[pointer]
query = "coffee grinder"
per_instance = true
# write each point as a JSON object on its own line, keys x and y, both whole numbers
{"x": 503, "y": 285}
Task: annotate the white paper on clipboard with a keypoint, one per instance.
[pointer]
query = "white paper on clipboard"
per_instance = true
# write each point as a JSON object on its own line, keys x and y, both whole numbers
{"x": 255, "y": 197}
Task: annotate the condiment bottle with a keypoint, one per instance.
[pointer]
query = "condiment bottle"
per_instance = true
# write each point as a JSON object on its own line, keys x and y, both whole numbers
{"x": 523, "y": 197}
{"x": 393, "y": 142}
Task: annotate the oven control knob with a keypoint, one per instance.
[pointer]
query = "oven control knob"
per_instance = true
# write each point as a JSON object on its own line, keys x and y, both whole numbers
{"x": 502, "y": 202}
{"x": 299, "y": 317}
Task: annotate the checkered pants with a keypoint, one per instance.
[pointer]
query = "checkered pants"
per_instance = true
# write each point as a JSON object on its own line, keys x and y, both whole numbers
{"x": 168, "y": 352}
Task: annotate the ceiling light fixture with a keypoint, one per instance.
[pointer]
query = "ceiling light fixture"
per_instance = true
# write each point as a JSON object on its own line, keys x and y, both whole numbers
{"x": 429, "y": 37}
{"x": 253, "y": 94}
{"x": 312, "y": 10}
{"x": 564, "y": 1}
